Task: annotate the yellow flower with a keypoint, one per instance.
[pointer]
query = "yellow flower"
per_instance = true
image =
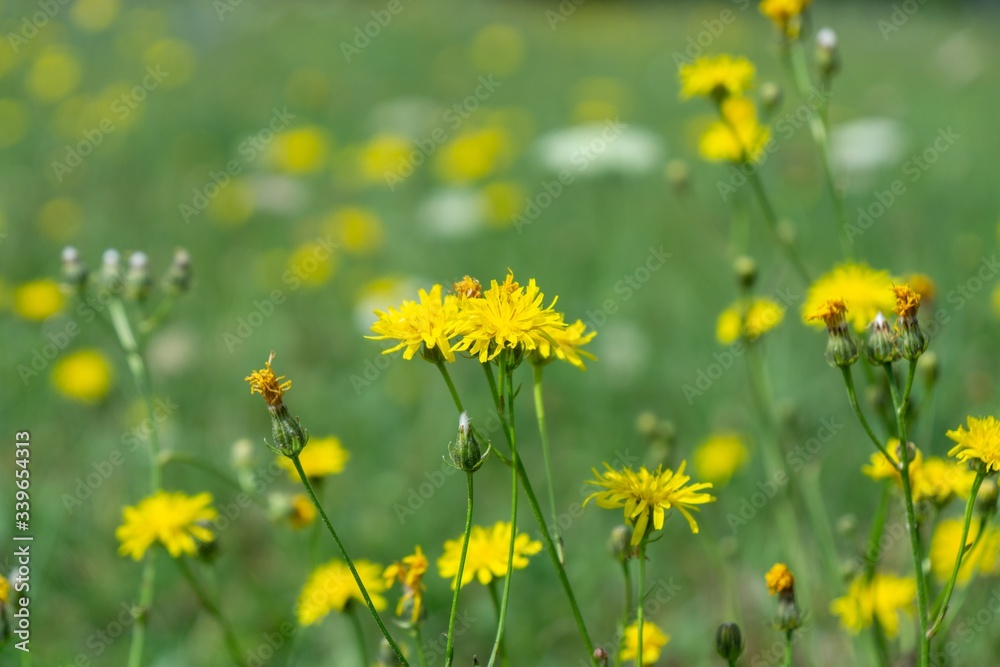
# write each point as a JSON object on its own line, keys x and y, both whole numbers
{"x": 864, "y": 291}
{"x": 319, "y": 458}
{"x": 785, "y": 14}
{"x": 332, "y": 586}
{"x": 473, "y": 155}
{"x": 653, "y": 641}
{"x": 312, "y": 264}
{"x": 53, "y": 75}
{"x": 646, "y": 495}
{"x": 84, "y": 376}
{"x": 779, "y": 579}
{"x": 409, "y": 572}
{"x": 981, "y": 442}
{"x": 358, "y": 229}
{"x": 4, "y": 590}
{"x": 718, "y": 458}
{"x": 568, "y": 344}
{"x": 923, "y": 285}
{"x": 383, "y": 155}
{"x": 301, "y": 150}
{"x": 507, "y": 316}
{"x": 468, "y": 288}
{"x": 174, "y": 519}
{"x": 716, "y": 76}
{"x": 750, "y": 320}
{"x": 265, "y": 383}
{"x": 738, "y": 136}
{"x": 94, "y": 15}
{"x": 985, "y": 558}
{"x": 38, "y": 300}
{"x": 432, "y": 323}
{"x": 486, "y": 558}
{"x": 303, "y": 512}
{"x": 880, "y": 468}
{"x": 939, "y": 480}
{"x": 504, "y": 200}
{"x": 884, "y": 598}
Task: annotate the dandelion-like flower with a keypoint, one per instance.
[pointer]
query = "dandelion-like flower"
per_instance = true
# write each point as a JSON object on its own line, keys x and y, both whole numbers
{"x": 785, "y": 14}
{"x": 749, "y": 319}
{"x": 716, "y": 76}
{"x": 879, "y": 467}
{"x": 270, "y": 386}
{"x": 287, "y": 432}
{"x": 984, "y": 559}
{"x": 86, "y": 376}
{"x": 719, "y": 457}
{"x": 302, "y": 511}
{"x": 174, "y": 519}
{"x": 322, "y": 458}
{"x": 779, "y": 579}
{"x": 429, "y": 324}
{"x": 648, "y": 495}
{"x": 653, "y": 641}
{"x": 486, "y": 558}
{"x": 566, "y": 345}
{"x": 979, "y": 443}
{"x": 331, "y": 587}
{"x": 864, "y": 292}
{"x": 468, "y": 288}
{"x": 939, "y": 480}
{"x": 738, "y": 136}
{"x": 506, "y": 317}
{"x": 409, "y": 572}
{"x": 885, "y": 597}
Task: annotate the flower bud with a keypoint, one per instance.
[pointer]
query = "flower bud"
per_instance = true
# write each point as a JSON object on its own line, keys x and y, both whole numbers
{"x": 601, "y": 656}
{"x": 137, "y": 281}
{"x": 929, "y": 367}
{"x": 110, "y": 276}
{"x": 986, "y": 499}
{"x": 74, "y": 273}
{"x": 827, "y": 54}
{"x": 678, "y": 175}
{"x": 178, "y": 278}
{"x": 746, "y": 271}
{"x": 287, "y": 432}
{"x": 770, "y": 97}
{"x": 729, "y": 642}
{"x": 465, "y": 453}
{"x": 880, "y": 347}
{"x": 620, "y": 543}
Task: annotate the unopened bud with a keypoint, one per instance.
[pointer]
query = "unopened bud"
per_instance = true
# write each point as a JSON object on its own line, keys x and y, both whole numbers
{"x": 986, "y": 499}
{"x": 74, "y": 273}
{"x": 137, "y": 280}
{"x": 178, "y": 278}
{"x": 827, "y": 54}
{"x": 620, "y": 543}
{"x": 770, "y": 97}
{"x": 464, "y": 453}
{"x": 880, "y": 347}
{"x": 746, "y": 271}
{"x": 601, "y": 656}
{"x": 110, "y": 275}
{"x": 729, "y": 642}
{"x": 678, "y": 175}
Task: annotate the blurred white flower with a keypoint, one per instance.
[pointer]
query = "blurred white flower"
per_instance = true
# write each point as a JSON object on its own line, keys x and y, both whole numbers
{"x": 866, "y": 145}
{"x": 283, "y": 195}
{"x": 453, "y": 212}
{"x": 597, "y": 149}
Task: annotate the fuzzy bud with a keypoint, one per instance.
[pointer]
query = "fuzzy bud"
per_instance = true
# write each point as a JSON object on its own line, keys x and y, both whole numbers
{"x": 137, "y": 281}
{"x": 729, "y": 642}
{"x": 178, "y": 278}
{"x": 880, "y": 347}
{"x": 74, "y": 273}
{"x": 620, "y": 543}
{"x": 464, "y": 453}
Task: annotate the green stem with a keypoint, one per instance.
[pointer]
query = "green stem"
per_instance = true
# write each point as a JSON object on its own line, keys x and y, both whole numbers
{"x": 451, "y": 385}
{"x": 942, "y": 609}
{"x": 788, "y": 648}
{"x": 853, "y": 398}
{"x": 543, "y": 432}
{"x": 913, "y": 528}
{"x": 639, "y": 621}
{"x": 213, "y": 609}
{"x": 628, "y": 608}
{"x": 145, "y": 602}
{"x": 359, "y": 635}
{"x": 495, "y": 598}
{"x": 450, "y": 648}
{"x": 871, "y": 561}
{"x": 772, "y": 222}
{"x": 347, "y": 559}
{"x": 418, "y": 641}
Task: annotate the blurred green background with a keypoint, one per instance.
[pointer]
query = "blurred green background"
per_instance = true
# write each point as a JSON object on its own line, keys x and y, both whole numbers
{"x": 188, "y": 163}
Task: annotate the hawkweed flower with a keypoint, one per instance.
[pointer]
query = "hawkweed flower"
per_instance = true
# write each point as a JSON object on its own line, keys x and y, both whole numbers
{"x": 653, "y": 641}
{"x": 301, "y": 511}
{"x": 786, "y": 15}
{"x": 729, "y": 642}
{"x": 840, "y": 347}
{"x": 984, "y": 559}
{"x": 174, "y": 519}
{"x": 979, "y": 443}
{"x": 507, "y": 317}
{"x": 880, "y": 347}
{"x": 911, "y": 340}
{"x": 879, "y": 467}
{"x": 486, "y": 558}
{"x": 323, "y": 458}
{"x": 468, "y": 288}
{"x": 716, "y": 77}
{"x": 565, "y": 344}
{"x": 720, "y": 457}
{"x": 427, "y": 326}
{"x": 939, "y": 480}
{"x": 864, "y": 292}
{"x": 781, "y": 582}
{"x": 287, "y": 432}
{"x": 749, "y": 319}
{"x": 410, "y": 573}
{"x": 738, "y": 136}
{"x": 85, "y": 376}
{"x": 464, "y": 453}
{"x": 331, "y": 587}
{"x": 646, "y": 496}
{"x": 883, "y": 597}
{"x": 38, "y": 300}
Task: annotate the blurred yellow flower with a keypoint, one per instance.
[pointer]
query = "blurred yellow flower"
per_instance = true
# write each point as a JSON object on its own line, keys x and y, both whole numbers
{"x": 568, "y": 344}
{"x": 504, "y": 200}
{"x": 719, "y": 457}
{"x": 885, "y": 597}
{"x": 331, "y": 586}
{"x": 410, "y": 572}
{"x": 779, "y": 579}
{"x": 716, "y": 76}
{"x": 13, "y": 122}
{"x": 60, "y": 219}
{"x": 302, "y": 512}
{"x": 880, "y": 468}
{"x": 174, "y": 58}
{"x": 785, "y": 14}
{"x": 233, "y": 205}
{"x": 320, "y": 457}
{"x": 312, "y": 263}
{"x": 38, "y": 300}
{"x": 357, "y": 229}
{"x": 85, "y": 376}
{"x": 54, "y": 74}
{"x": 984, "y": 559}
{"x": 923, "y": 285}
{"x": 383, "y": 155}
{"x": 980, "y": 443}
{"x": 498, "y": 49}
{"x": 865, "y": 291}
{"x": 939, "y": 480}
{"x": 301, "y": 150}
{"x": 599, "y": 99}
{"x": 653, "y": 641}
{"x": 4, "y": 590}
{"x": 738, "y": 137}
{"x": 94, "y": 15}
{"x": 174, "y": 519}
{"x": 486, "y": 558}
{"x": 748, "y": 320}
{"x": 473, "y": 154}
{"x": 428, "y": 325}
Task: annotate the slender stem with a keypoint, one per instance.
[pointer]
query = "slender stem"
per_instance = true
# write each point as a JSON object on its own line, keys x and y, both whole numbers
{"x": 788, "y": 648}
{"x": 451, "y": 385}
{"x": 871, "y": 561}
{"x": 772, "y": 222}
{"x": 853, "y": 398}
{"x": 450, "y": 647}
{"x": 347, "y": 559}
{"x": 495, "y": 598}
{"x": 213, "y": 609}
{"x": 174, "y": 456}
{"x": 507, "y": 385}
{"x": 913, "y": 528}
{"x": 418, "y": 641}
{"x": 942, "y": 609}
{"x": 638, "y": 607}
{"x": 543, "y": 432}
{"x": 145, "y": 602}
{"x": 627, "y": 575}
{"x": 359, "y": 635}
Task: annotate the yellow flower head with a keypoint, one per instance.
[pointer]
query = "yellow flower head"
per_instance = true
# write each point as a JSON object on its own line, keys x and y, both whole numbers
{"x": 785, "y": 14}
{"x": 302, "y": 512}
{"x": 474, "y": 154}
{"x": 332, "y": 586}
{"x": 568, "y": 344}
{"x": 923, "y": 285}
{"x": 487, "y": 554}
{"x": 646, "y": 495}
{"x": 85, "y": 376}
{"x": 939, "y": 480}
{"x": 174, "y": 519}
{"x": 884, "y": 598}
{"x": 833, "y": 313}
{"x": 38, "y": 300}
{"x": 738, "y": 136}
{"x": 779, "y": 579}
{"x": 4, "y": 590}
{"x": 300, "y": 150}
{"x": 653, "y": 641}
{"x": 384, "y": 155}
{"x": 431, "y": 324}
{"x": 507, "y": 316}
{"x": 716, "y": 76}
{"x": 410, "y": 573}
{"x": 748, "y": 319}
{"x": 719, "y": 457}
{"x": 907, "y": 301}
{"x": 981, "y": 442}
{"x": 985, "y": 558}
{"x": 267, "y": 384}
{"x": 320, "y": 458}
{"x": 880, "y": 468}
{"x": 864, "y": 291}
{"x": 468, "y": 288}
